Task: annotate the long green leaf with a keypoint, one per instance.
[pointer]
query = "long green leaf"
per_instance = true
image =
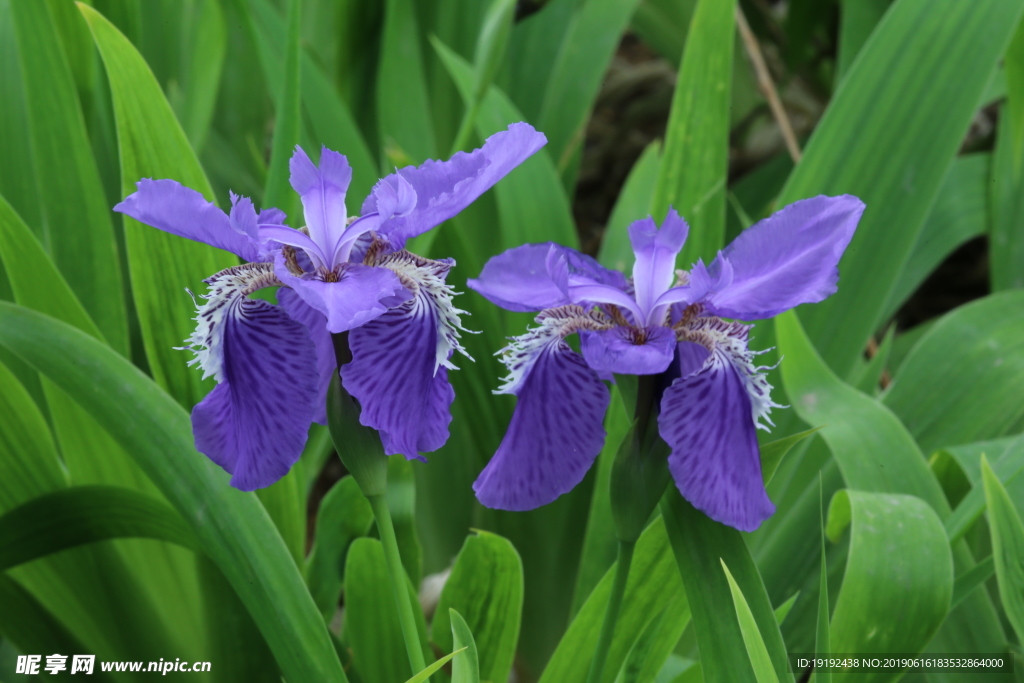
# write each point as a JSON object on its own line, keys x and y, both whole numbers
{"x": 756, "y": 650}
{"x": 232, "y": 527}
{"x": 961, "y": 383}
{"x": 422, "y": 676}
{"x": 17, "y": 180}
{"x": 783, "y": 610}
{"x": 700, "y": 545}
{"x": 88, "y": 589}
{"x": 28, "y": 624}
{"x": 80, "y": 234}
{"x": 1013, "y": 67}
{"x": 208, "y": 43}
{"x": 286, "y": 120}
{"x": 465, "y": 669}
{"x": 285, "y": 502}
{"x": 822, "y": 631}
{"x": 89, "y": 453}
{"x": 491, "y": 45}
{"x": 531, "y": 204}
{"x": 971, "y": 579}
{"x": 371, "y": 629}
{"x": 371, "y": 626}
{"x": 151, "y": 142}
{"x": 634, "y": 203}
{"x": 694, "y": 165}
{"x": 1007, "y": 462}
{"x": 286, "y": 127}
{"x": 344, "y": 516}
{"x": 872, "y": 448}
{"x": 773, "y": 452}
{"x": 153, "y": 145}
{"x": 600, "y": 543}
{"x": 905, "y": 342}
{"x": 401, "y": 89}
{"x": 532, "y": 52}
{"x": 653, "y": 580}
{"x": 36, "y": 282}
{"x": 912, "y": 92}
{"x": 330, "y": 118}
{"x": 1005, "y": 182}
{"x": 85, "y": 514}
{"x": 859, "y": 18}
{"x": 1007, "y": 547}
{"x": 583, "y": 58}
{"x": 653, "y": 648}
{"x": 875, "y": 453}
{"x": 662, "y": 25}
{"x": 401, "y": 495}
{"x": 231, "y": 630}
{"x": 916, "y": 582}
{"x": 960, "y": 213}
{"x": 486, "y": 586}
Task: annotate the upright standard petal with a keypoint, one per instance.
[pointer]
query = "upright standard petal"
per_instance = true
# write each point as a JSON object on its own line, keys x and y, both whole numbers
{"x": 255, "y": 421}
{"x": 656, "y": 251}
{"x": 788, "y": 259}
{"x": 316, "y": 324}
{"x": 353, "y": 297}
{"x": 444, "y": 188}
{"x": 323, "y": 194}
{"x": 170, "y": 206}
{"x": 400, "y": 361}
{"x": 557, "y": 429}
{"x": 533, "y": 277}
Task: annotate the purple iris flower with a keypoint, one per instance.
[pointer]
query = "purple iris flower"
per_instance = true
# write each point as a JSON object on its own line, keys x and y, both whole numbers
{"x": 660, "y": 321}
{"x": 274, "y": 363}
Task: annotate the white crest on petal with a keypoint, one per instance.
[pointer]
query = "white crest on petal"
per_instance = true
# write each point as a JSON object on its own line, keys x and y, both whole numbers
{"x": 728, "y": 343}
{"x": 432, "y": 296}
{"x": 555, "y": 324}
{"x": 228, "y": 288}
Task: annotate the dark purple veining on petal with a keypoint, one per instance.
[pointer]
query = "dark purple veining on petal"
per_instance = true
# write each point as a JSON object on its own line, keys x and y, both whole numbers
{"x": 254, "y": 423}
{"x": 316, "y": 325}
{"x": 556, "y": 433}
{"x": 715, "y": 461}
{"x": 395, "y": 377}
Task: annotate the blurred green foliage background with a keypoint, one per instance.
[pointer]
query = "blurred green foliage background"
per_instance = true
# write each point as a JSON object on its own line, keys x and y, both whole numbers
{"x": 118, "y": 539}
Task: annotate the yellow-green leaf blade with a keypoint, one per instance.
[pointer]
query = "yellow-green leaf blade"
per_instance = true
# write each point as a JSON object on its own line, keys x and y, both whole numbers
{"x": 153, "y": 145}
{"x": 1007, "y": 547}
{"x": 694, "y": 164}
{"x": 756, "y": 649}
{"x": 77, "y": 222}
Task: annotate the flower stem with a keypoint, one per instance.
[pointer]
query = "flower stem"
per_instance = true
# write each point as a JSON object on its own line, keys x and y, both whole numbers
{"x": 399, "y": 581}
{"x": 611, "y": 613}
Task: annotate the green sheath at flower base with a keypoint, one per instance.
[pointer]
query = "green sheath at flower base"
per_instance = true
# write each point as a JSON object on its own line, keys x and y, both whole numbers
{"x": 639, "y": 478}
{"x": 640, "y": 471}
{"x": 362, "y": 452}
{"x": 359, "y": 447}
